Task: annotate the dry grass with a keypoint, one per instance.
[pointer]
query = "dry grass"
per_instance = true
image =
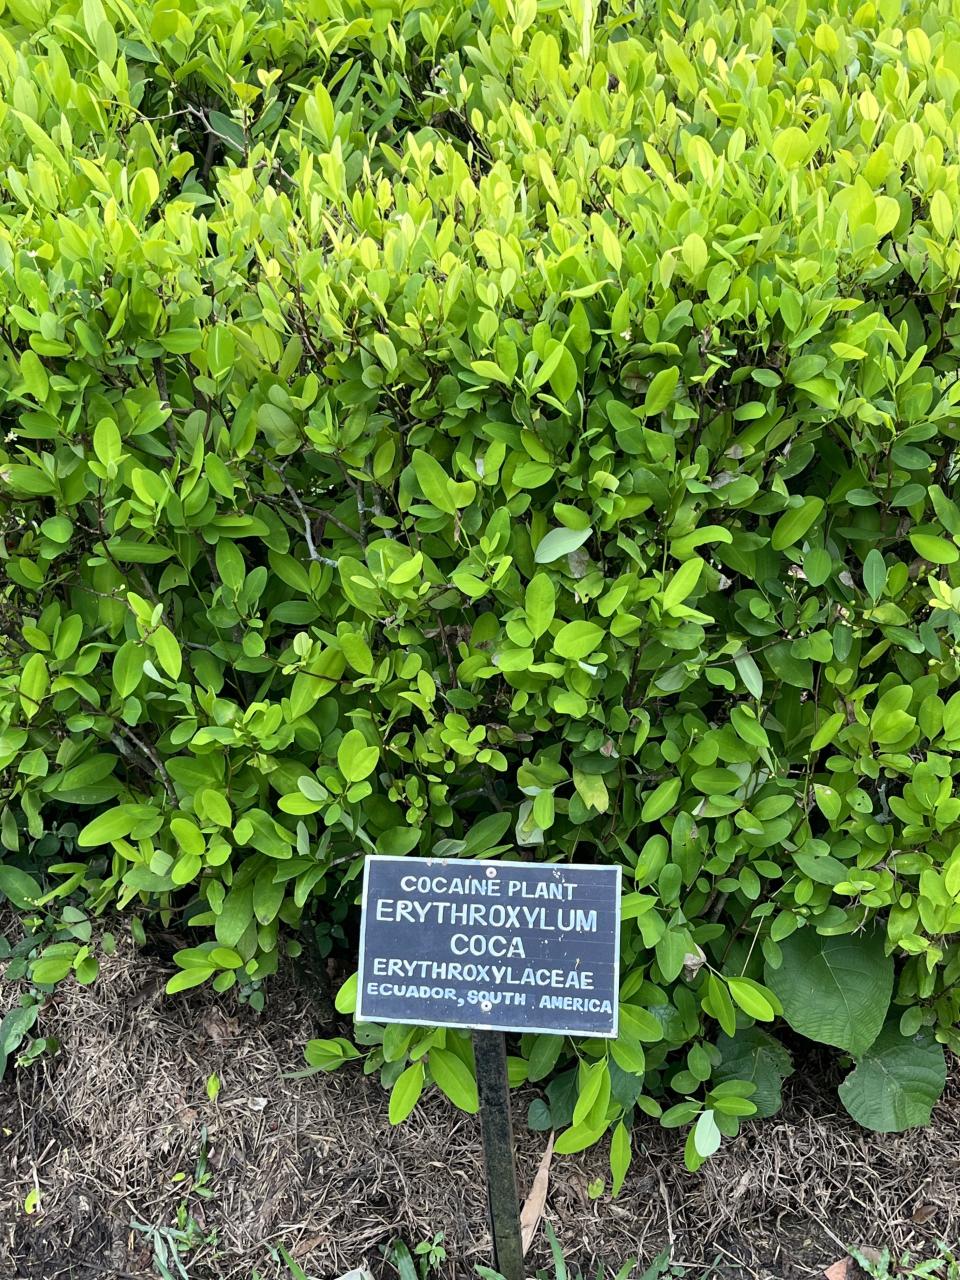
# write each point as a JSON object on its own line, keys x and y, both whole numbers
{"x": 104, "y": 1128}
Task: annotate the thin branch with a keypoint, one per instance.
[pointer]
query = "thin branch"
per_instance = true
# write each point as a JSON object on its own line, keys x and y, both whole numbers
{"x": 307, "y": 531}
{"x": 160, "y": 373}
{"x": 151, "y": 755}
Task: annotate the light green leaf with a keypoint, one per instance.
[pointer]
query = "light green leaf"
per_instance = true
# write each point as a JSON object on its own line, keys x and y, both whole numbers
{"x": 660, "y": 391}
{"x": 560, "y": 542}
{"x": 795, "y": 522}
{"x": 186, "y": 978}
{"x": 934, "y": 548}
{"x": 661, "y": 800}
{"x": 683, "y": 582}
{"x": 751, "y": 998}
{"x": 355, "y": 758}
{"x": 109, "y": 826}
{"x": 577, "y": 639}
{"x": 454, "y": 1078}
{"x": 107, "y": 442}
{"x": 168, "y": 651}
{"x": 405, "y": 1093}
{"x": 706, "y": 1135}
{"x": 434, "y": 482}
{"x": 539, "y": 603}
{"x": 34, "y": 683}
{"x": 127, "y": 667}
{"x": 748, "y": 727}
{"x": 620, "y": 1153}
{"x": 346, "y": 998}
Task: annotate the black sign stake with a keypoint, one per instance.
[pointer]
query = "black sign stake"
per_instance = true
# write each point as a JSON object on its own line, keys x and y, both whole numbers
{"x": 491, "y": 1058}
{"x": 491, "y": 946}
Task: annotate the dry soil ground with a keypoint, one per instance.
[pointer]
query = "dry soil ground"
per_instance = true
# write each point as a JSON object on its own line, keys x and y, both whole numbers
{"x": 103, "y": 1129}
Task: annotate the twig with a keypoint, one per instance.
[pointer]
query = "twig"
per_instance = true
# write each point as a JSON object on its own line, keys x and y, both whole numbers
{"x": 307, "y": 531}
{"x": 445, "y": 641}
{"x": 358, "y": 494}
{"x": 152, "y": 756}
{"x": 160, "y": 373}
{"x": 377, "y": 505}
{"x": 340, "y": 524}
{"x": 491, "y": 790}
{"x": 664, "y": 1197}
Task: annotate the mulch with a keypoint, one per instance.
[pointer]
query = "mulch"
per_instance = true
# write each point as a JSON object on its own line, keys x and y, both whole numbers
{"x": 107, "y": 1128}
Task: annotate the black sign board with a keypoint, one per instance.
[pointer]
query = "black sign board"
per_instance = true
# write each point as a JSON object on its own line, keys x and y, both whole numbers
{"x": 493, "y": 946}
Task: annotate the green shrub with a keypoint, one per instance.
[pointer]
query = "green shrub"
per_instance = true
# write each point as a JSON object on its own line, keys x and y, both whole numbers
{"x": 471, "y": 428}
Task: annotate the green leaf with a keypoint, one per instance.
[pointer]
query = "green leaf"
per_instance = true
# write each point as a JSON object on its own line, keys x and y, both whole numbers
{"x": 454, "y": 1078}
{"x": 216, "y": 807}
{"x": 385, "y": 350}
{"x": 683, "y": 582}
{"x": 330, "y": 1055}
{"x": 346, "y": 998}
{"x": 235, "y": 915}
{"x": 934, "y": 548}
{"x": 51, "y": 969}
{"x": 748, "y": 727}
{"x": 620, "y": 1153}
{"x": 592, "y": 1080}
{"x": 34, "y": 683}
{"x": 896, "y": 1082}
{"x": 355, "y": 758}
{"x": 543, "y": 1056}
{"x": 578, "y": 1138}
{"x": 661, "y": 800}
{"x": 434, "y": 482}
{"x": 817, "y": 565}
{"x": 187, "y": 835}
{"x": 660, "y": 391}
{"x": 577, "y": 639}
{"x": 14, "y": 1026}
{"x": 941, "y": 214}
{"x": 560, "y": 542}
{"x": 405, "y": 1093}
{"x": 638, "y": 1023}
{"x": 706, "y": 1135}
{"x": 129, "y": 551}
{"x": 564, "y": 376}
{"x": 127, "y": 668}
{"x": 187, "y": 978}
{"x": 34, "y": 375}
{"x": 874, "y": 574}
{"x": 752, "y": 999}
{"x": 795, "y": 522}
{"x": 827, "y": 731}
{"x": 19, "y": 887}
{"x": 749, "y": 673}
{"x": 168, "y": 651}
{"x": 539, "y": 603}
{"x": 721, "y": 1006}
{"x": 107, "y": 442}
{"x": 108, "y": 827}
{"x": 834, "y": 990}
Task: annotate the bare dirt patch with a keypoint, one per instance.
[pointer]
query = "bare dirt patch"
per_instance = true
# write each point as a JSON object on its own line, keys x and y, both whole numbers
{"x": 104, "y": 1129}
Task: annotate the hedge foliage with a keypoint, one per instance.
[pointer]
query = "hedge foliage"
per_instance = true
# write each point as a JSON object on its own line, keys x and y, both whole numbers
{"x": 478, "y": 428}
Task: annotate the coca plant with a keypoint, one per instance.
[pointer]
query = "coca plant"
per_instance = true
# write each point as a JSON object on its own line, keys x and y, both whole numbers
{"x": 508, "y": 429}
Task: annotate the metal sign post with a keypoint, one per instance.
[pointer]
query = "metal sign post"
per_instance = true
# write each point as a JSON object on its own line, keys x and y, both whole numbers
{"x": 491, "y": 946}
{"x": 502, "y": 1197}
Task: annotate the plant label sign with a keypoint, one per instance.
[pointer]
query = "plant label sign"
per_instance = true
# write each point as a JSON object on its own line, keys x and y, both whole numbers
{"x": 491, "y": 946}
